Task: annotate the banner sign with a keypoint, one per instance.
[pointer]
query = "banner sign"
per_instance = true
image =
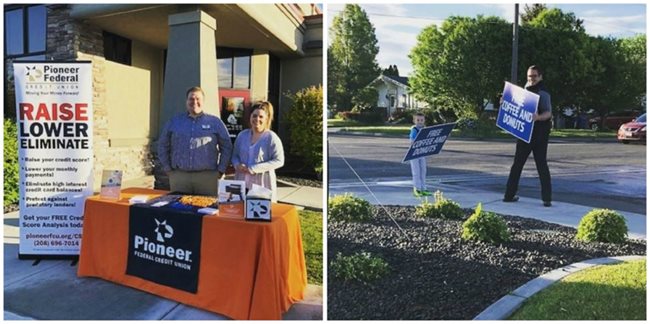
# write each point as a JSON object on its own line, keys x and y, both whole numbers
{"x": 517, "y": 110}
{"x": 55, "y": 152}
{"x": 429, "y": 141}
{"x": 165, "y": 246}
{"x": 232, "y": 114}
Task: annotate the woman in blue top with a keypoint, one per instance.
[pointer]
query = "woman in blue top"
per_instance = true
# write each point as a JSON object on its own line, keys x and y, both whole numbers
{"x": 258, "y": 150}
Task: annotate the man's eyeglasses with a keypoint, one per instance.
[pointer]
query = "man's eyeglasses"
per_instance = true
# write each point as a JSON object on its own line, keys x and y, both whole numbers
{"x": 533, "y": 75}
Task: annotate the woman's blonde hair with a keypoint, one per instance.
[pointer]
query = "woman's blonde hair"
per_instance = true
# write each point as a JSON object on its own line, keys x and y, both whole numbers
{"x": 268, "y": 108}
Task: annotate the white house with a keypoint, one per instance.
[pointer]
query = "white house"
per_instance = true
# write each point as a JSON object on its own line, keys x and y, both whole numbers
{"x": 394, "y": 94}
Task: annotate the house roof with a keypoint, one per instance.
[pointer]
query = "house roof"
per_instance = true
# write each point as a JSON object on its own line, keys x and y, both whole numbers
{"x": 400, "y": 79}
{"x": 397, "y": 80}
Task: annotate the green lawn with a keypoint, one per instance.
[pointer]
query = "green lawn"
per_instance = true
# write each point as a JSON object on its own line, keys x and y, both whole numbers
{"x": 341, "y": 123}
{"x": 585, "y": 133}
{"x": 610, "y": 292}
{"x": 311, "y": 225}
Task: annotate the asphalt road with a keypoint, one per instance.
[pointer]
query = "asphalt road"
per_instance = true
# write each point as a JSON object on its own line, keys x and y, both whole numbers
{"x": 597, "y": 174}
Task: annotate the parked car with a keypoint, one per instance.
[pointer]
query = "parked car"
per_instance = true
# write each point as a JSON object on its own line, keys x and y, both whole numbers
{"x": 633, "y": 131}
{"x": 613, "y": 120}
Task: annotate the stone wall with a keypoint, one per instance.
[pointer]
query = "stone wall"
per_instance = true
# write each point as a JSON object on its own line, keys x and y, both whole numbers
{"x": 68, "y": 39}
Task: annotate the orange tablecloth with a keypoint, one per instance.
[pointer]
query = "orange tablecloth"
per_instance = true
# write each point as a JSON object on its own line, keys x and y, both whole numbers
{"x": 248, "y": 270}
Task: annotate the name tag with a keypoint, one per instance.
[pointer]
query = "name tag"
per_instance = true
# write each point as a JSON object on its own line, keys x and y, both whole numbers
{"x": 205, "y": 126}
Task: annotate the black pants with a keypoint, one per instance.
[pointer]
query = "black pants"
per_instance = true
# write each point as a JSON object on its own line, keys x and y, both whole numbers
{"x": 538, "y": 145}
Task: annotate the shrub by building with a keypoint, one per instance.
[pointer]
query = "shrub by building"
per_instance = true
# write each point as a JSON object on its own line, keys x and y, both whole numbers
{"x": 10, "y": 163}
{"x": 306, "y": 123}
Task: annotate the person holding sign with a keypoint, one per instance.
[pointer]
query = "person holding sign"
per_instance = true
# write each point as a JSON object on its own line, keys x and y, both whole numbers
{"x": 258, "y": 150}
{"x": 418, "y": 165}
{"x": 538, "y": 143}
{"x": 194, "y": 148}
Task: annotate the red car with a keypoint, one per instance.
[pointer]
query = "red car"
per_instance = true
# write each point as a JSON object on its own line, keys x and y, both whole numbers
{"x": 632, "y": 131}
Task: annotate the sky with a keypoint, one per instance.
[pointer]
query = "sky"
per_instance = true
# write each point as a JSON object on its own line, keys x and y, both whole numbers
{"x": 397, "y": 25}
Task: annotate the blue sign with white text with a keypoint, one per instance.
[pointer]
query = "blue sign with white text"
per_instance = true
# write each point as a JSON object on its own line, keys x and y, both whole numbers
{"x": 429, "y": 141}
{"x": 517, "y": 110}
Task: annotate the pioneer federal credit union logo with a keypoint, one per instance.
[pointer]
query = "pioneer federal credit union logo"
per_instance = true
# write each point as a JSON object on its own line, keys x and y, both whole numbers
{"x": 159, "y": 251}
{"x": 33, "y": 73}
{"x": 164, "y": 246}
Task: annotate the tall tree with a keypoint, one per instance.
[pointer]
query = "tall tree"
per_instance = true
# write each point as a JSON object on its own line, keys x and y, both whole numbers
{"x": 531, "y": 11}
{"x": 554, "y": 41}
{"x": 464, "y": 61}
{"x": 353, "y": 50}
{"x": 556, "y": 19}
{"x": 391, "y": 70}
{"x": 633, "y": 50}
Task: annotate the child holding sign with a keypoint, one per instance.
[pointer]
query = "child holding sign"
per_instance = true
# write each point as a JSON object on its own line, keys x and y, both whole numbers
{"x": 419, "y": 165}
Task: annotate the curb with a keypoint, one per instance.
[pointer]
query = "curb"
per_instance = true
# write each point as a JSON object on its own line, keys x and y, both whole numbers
{"x": 480, "y": 139}
{"x": 287, "y": 183}
{"x": 508, "y": 304}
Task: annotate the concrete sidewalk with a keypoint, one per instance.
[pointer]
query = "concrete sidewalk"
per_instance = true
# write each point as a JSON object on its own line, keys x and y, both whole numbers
{"x": 51, "y": 289}
{"x": 399, "y": 192}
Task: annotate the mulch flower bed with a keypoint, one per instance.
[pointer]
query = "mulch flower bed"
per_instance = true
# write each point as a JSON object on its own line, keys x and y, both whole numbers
{"x": 436, "y": 276}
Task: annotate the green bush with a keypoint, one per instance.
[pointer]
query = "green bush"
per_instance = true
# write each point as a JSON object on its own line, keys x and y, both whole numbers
{"x": 11, "y": 165}
{"x": 441, "y": 208}
{"x": 363, "y": 267}
{"x": 466, "y": 123}
{"x": 602, "y": 225}
{"x": 476, "y": 127}
{"x": 368, "y": 116}
{"x": 425, "y": 210}
{"x": 348, "y": 208}
{"x": 306, "y": 124}
{"x": 402, "y": 116}
{"x": 485, "y": 227}
{"x": 348, "y": 115}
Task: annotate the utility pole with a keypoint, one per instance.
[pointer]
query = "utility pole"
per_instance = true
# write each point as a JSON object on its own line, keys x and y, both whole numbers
{"x": 515, "y": 46}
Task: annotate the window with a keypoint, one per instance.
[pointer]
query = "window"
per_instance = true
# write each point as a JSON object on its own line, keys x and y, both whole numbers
{"x": 234, "y": 67}
{"x": 117, "y": 48}
{"x": 25, "y": 31}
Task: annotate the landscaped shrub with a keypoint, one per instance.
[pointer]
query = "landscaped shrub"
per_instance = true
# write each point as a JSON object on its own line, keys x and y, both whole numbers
{"x": 479, "y": 127}
{"x": 466, "y": 123}
{"x": 348, "y": 115}
{"x": 363, "y": 267}
{"x": 365, "y": 117}
{"x": 11, "y": 165}
{"x": 602, "y": 225}
{"x": 371, "y": 117}
{"x": 348, "y": 208}
{"x": 486, "y": 227}
{"x": 440, "y": 208}
{"x": 306, "y": 124}
{"x": 404, "y": 116}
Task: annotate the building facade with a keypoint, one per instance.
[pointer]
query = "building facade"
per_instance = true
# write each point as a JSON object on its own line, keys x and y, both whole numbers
{"x": 145, "y": 56}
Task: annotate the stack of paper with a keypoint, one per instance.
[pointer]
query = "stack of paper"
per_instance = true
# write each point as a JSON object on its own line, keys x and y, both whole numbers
{"x": 138, "y": 199}
{"x": 208, "y": 211}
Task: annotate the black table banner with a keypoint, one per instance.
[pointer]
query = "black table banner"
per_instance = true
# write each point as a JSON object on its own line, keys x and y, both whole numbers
{"x": 165, "y": 246}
